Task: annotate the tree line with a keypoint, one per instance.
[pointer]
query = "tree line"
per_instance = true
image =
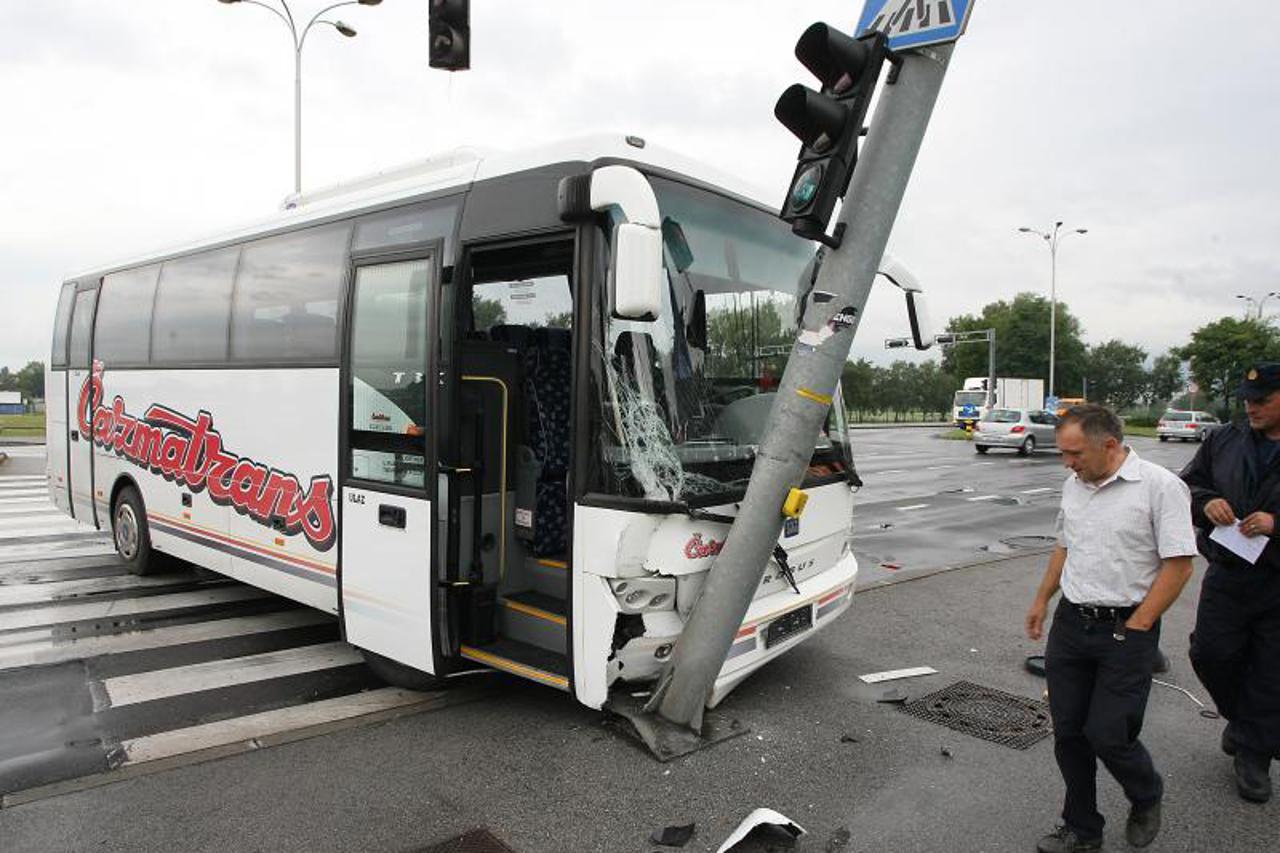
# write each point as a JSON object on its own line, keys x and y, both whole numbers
{"x": 29, "y": 380}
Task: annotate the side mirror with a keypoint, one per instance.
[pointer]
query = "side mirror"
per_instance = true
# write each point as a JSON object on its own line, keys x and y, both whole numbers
{"x": 918, "y": 315}
{"x": 637, "y": 240}
{"x": 637, "y": 272}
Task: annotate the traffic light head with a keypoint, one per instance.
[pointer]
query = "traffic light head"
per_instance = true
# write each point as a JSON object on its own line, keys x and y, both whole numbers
{"x": 944, "y": 339}
{"x": 827, "y": 122}
{"x": 449, "y": 31}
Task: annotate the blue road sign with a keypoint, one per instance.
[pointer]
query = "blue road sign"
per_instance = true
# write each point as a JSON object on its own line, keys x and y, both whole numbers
{"x": 1051, "y": 403}
{"x": 914, "y": 23}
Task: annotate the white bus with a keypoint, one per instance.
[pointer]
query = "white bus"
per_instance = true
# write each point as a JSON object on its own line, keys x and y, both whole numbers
{"x": 488, "y": 409}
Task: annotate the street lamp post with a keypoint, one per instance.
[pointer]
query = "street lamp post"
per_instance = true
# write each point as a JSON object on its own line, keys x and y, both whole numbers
{"x": 1256, "y": 303}
{"x": 1053, "y": 238}
{"x": 300, "y": 38}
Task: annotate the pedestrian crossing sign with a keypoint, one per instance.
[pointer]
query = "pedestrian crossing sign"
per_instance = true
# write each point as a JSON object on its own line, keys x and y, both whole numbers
{"x": 915, "y": 23}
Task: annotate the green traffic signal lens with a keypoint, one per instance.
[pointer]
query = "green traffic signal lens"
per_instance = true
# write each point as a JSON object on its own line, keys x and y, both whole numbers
{"x": 805, "y": 189}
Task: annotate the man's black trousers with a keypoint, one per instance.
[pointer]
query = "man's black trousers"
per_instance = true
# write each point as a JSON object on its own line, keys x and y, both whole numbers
{"x": 1235, "y": 650}
{"x": 1098, "y": 688}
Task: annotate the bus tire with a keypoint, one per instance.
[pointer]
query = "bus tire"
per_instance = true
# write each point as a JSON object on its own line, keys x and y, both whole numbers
{"x": 130, "y": 535}
{"x": 981, "y": 448}
{"x": 399, "y": 675}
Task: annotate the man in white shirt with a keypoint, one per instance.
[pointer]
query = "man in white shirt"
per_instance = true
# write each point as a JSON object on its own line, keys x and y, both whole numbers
{"x": 1125, "y": 543}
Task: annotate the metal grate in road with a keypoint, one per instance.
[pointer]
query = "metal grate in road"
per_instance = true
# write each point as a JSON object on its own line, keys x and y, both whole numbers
{"x": 1003, "y": 718}
{"x": 476, "y": 841}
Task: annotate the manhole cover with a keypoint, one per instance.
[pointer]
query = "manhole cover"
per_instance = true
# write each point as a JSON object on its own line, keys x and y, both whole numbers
{"x": 1032, "y": 541}
{"x": 475, "y": 841}
{"x": 1003, "y": 718}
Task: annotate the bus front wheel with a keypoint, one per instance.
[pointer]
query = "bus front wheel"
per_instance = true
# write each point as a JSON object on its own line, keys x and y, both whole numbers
{"x": 130, "y": 533}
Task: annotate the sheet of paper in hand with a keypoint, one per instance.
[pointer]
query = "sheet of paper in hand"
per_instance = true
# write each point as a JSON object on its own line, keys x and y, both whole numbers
{"x": 1230, "y": 537}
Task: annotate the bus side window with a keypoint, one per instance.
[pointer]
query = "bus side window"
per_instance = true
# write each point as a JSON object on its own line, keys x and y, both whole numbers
{"x": 193, "y": 307}
{"x": 286, "y": 296}
{"x": 78, "y": 348}
{"x": 122, "y": 333}
{"x": 62, "y": 325}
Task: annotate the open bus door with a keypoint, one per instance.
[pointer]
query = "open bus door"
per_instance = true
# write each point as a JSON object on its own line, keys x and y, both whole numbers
{"x": 386, "y": 584}
{"x": 80, "y": 436}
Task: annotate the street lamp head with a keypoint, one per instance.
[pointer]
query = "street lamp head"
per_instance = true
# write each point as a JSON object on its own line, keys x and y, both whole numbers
{"x": 344, "y": 29}
{"x": 1024, "y": 229}
{"x": 1241, "y": 296}
{"x": 228, "y": 2}
{"x": 1082, "y": 230}
{"x": 368, "y": 2}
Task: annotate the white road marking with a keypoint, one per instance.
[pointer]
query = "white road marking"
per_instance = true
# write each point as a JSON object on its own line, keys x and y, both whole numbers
{"x": 266, "y": 723}
{"x": 938, "y": 467}
{"x": 984, "y": 463}
{"x": 22, "y": 478}
{"x": 42, "y": 499}
{"x": 24, "y": 523}
{"x": 42, "y": 646}
{"x": 35, "y": 593}
{"x": 165, "y": 683}
{"x": 984, "y": 498}
{"x": 32, "y": 508}
{"x": 35, "y": 617}
{"x": 891, "y": 471}
{"x": 56, "y": 550}
{"x": 25, "y": 492}
{"x": 912, "y": 506}
{"x": 1036, "y": 491}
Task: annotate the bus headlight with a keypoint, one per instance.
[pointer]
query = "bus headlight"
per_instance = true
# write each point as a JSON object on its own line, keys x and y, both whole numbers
{"x": 644, "y": 595}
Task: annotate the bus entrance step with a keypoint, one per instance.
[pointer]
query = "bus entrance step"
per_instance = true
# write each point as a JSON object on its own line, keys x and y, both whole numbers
{"x": 523, "y": 660}
{"x": 548, "y": 575}
{"x": 535, "y": 618}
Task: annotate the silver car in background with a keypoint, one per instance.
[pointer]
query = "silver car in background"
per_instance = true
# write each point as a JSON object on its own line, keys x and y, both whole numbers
{"x": 1186, "y": 425}
{"x": 1022, "y": 430}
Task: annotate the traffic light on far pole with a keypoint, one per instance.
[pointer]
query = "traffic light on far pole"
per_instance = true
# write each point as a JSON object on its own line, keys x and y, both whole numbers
{"x": 449, "y": 28}
{"x": 829, "y": 122}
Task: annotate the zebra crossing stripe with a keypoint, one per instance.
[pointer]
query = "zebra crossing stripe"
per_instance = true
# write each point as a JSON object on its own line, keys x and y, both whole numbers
{"x": 58, "y": 614}
{"x": 252, "y": 729}
{"x": 32, "y": 508}
{"x": 55, "y": 551}
{"x": 36, "y": 593}
{"x": 164, "y": 683}
{"x": 40, "y": 646}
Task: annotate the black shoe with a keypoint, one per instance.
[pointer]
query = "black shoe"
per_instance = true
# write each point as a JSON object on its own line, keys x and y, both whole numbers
{"x": 1228, "y": 740}
{"x": 1063, "y": 840}
{"x": 1253, "y": 779}
{"x": 1143, "y": 825}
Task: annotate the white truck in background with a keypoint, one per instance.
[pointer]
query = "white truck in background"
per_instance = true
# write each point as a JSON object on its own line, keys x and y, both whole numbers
{"x": 970, "y": 403}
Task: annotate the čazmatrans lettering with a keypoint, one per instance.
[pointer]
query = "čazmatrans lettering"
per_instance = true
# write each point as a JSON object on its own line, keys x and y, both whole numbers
{"x": 190, "y": 451}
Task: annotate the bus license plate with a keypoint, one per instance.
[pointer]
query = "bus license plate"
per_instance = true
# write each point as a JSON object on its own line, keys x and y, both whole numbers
{"x": 788, "y": 625}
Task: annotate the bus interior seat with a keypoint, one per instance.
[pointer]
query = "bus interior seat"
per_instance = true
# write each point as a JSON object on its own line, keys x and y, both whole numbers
{"x": 548, "y": 373}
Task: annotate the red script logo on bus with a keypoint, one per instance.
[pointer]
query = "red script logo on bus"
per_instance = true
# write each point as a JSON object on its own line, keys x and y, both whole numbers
{"x": 190, "y": 452}
{"x": 696, "y": 549}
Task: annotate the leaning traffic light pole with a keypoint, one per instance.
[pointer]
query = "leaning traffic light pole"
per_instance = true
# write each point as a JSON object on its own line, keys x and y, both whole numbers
{"x": 833, "y": 311}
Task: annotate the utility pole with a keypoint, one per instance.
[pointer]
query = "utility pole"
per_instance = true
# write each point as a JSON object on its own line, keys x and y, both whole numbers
{"x": 805, "y": 391}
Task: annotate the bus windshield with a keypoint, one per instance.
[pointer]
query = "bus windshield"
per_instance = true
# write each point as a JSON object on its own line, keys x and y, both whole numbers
{"x": 971, "y": 398}
{"x": 684, "y": 400}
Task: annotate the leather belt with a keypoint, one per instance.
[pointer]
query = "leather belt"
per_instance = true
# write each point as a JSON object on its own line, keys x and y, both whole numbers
{"x": 1100, "y": 613}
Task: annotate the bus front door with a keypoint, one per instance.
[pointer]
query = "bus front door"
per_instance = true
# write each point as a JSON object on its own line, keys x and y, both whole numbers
{"x": 386, "y": 585}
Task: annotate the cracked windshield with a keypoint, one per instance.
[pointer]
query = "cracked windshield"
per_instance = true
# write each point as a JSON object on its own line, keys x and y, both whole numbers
{"x": 687, "y": 396}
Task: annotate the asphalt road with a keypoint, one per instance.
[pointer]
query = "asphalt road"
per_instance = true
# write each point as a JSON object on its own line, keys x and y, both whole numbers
{"x": 929, "y": 503}
{"x": 545, "y": 775}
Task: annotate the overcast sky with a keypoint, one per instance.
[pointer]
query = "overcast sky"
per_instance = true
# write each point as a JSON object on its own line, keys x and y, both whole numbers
{"x": 132, "y": 125}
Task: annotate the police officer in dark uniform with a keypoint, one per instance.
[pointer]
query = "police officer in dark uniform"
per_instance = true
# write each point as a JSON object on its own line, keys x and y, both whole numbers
{"x": 1235, "y": 480}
